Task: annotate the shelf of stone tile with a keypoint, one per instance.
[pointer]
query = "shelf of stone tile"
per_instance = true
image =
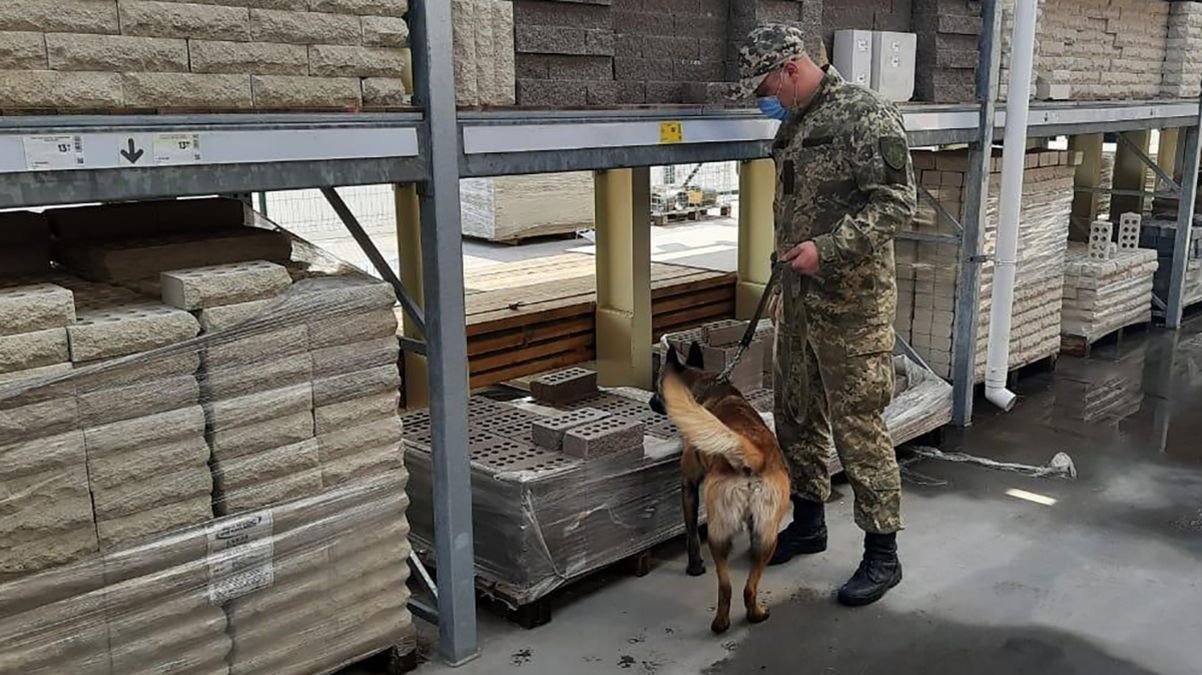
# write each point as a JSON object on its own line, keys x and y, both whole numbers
{"x": 74, "y": 159}
{"x": 525, "y": 141}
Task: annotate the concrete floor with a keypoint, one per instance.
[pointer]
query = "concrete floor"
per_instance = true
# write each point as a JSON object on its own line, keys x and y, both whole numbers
{"x": 1105, "y": 579}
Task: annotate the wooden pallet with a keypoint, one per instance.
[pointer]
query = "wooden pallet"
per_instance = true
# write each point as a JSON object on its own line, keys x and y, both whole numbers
{"x": 1081, "y": 346}
{"x": 662, "y": 219}
{"x": 533, "y": 316}
{"x": 395, "y": 660}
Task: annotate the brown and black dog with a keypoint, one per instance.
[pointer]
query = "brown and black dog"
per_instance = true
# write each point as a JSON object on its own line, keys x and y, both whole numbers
{"x": 726, "y": 444}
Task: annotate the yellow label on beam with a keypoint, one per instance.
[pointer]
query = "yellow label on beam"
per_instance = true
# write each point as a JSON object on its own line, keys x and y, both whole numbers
{"x": 670, "y": 132}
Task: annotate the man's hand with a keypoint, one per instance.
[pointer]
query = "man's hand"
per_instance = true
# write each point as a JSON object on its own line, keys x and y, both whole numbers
{"x": 803, "y": 258}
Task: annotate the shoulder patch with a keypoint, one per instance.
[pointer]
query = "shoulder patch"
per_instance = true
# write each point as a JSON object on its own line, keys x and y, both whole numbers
{"x": 893, "y": 151}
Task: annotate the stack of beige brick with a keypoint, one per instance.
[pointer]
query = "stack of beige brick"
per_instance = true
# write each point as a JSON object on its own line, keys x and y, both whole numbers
{"x": 207, "y": 55}
{"x": 510, "y": 208}
{"x": 1101, "y": 49}
{"x": 1101, "y": 296}
{"x": 1183, "y": 54}
{"x": 927, "y": 272}
{"x": 484, "y": 52}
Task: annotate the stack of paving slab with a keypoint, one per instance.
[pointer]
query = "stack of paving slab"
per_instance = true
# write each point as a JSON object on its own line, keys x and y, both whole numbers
{"x": 511, "y": 208}
{"x": 1101, "y": 296}
{"x": 927, "y": 272}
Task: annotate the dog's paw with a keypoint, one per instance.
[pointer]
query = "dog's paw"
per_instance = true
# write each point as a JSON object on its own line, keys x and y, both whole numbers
{"x": 696, "y": 569}
{"x": 720, "y": 625}
{"x": 758, "y": 615}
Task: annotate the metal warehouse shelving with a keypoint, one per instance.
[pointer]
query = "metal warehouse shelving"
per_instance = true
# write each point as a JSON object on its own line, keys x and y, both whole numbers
{"x": 112, "y": 158}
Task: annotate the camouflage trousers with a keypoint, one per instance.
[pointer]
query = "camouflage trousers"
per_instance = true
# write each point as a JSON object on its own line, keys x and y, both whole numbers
{"x": 830, "y": 397}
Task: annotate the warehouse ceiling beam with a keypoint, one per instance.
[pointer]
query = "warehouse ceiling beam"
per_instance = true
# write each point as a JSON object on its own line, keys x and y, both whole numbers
{"x": 1186, "y": 203}
{"x": 351, "y": 223}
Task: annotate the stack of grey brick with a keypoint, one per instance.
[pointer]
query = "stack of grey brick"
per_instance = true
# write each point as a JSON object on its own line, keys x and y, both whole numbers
{"x": 947, "y": 49}
{"x": 745, "y": 14}
{"x": 565, "y": 54}
{"x": 674, "y": 51}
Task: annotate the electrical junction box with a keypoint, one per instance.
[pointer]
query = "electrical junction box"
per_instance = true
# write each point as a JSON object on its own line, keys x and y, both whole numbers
{"x": 893, "y": 56}
{"x": 853, "y": 55}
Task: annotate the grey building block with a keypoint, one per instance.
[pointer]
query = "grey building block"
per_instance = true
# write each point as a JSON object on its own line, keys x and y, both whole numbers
{"x": 33, "y": 350}
{"x": 608, "y": 436}
{"x": 361, "y": 464}
{"x": 268, "y": 492}
{"x": 383, "y": 432}
{"x": 25, "y": 556}
{"x": 37, "y": 420}
{"x": 230, "y": 413}
{"x": 139, "y": 463}
{"x": 225, "y": 317}
{"x": 27, "y": 308}
{"x": 218, "y": 285}
{"x": 42, "y": 455}
{"x": 330, "y": 390}
{"x": 133, "y": 369}
{"x": 229, "y": 348}
{"x": 21, "y": 387}
{"x": 119, "y": 533}
{"x": 548, "y": 433}
{"x": 145, "y": 432}
{"x": 344, "y": 294}
{"x": 170, "y": 631}
{"x": 58, "y": 637}
{"x": 336, "y": 416}
{"x": 565, "y": 386}
{"x": 128, "y": 329}
{"x": 233, "y": 442}
{"x": 356, "y": 356}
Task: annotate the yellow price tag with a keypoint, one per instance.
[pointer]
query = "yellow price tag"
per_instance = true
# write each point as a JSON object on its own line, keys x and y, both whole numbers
{"x": 670, "y": 132}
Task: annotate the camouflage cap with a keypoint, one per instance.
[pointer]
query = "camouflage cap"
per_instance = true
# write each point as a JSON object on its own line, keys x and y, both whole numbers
{"x": 767, "y": 48}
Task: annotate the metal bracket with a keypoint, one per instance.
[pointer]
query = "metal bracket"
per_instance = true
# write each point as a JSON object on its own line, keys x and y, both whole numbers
{"x": 1160, "y": 304}
{"x": 1143, "y": 157}
{"x": 352, "y": 225}
{"x": 943, "y": 212}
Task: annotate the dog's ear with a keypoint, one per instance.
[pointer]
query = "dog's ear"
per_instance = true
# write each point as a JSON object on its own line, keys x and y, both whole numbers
{"x": 696, "y": 358}
{"x": 673, "y": 359}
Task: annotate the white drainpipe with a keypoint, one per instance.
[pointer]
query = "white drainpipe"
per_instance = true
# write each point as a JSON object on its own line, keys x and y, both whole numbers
{"x": 1022, "y": 53}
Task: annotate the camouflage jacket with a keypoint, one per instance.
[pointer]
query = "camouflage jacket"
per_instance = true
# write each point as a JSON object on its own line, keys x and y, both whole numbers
{"x": 844, "y": 180}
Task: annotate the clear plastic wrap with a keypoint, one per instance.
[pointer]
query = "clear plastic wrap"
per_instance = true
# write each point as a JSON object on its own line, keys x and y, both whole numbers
{"x": 1101, "y": 296}
{"x": 509, "y": 208}
{"x": 201, "y": 467}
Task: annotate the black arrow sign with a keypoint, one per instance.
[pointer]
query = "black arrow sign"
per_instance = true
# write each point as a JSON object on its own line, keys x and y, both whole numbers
{"x": 133, "y": 154}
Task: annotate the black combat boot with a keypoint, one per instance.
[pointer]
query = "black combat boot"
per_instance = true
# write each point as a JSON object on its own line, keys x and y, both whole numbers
{"x": 879, "y": 571}
{"x": 806, "y": 534}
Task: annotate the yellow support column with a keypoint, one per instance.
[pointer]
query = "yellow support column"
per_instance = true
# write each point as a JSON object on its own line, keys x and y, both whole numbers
{"x": 1166, "y": 154}
{"x": 623, "y": 200}
{"x": 1130, "y": 173}
{"x": 1089, "y": 175}
{"x": 757, "y": 237}
{"x": 409, "y": 259}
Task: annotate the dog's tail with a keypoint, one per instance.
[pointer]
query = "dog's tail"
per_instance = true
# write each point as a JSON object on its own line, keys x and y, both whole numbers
{"x": 700, "y": 427}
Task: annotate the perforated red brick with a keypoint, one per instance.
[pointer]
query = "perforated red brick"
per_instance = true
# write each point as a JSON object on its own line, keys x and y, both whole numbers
{"x": 565, "y": 386}
{"x": 608, "y": 436}
{"x": 548, "y": 433}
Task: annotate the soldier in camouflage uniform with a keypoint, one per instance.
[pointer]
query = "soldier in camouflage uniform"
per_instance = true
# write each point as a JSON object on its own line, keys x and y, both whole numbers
{"x": 844, "y": 186}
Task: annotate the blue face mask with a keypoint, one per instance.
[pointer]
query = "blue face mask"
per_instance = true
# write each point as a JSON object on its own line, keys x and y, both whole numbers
{"x": 771, "y": 107}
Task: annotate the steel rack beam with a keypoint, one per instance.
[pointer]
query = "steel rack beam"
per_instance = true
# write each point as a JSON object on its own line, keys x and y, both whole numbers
{"x": 79, "y": 159}
{"x": 1186, "y": 202}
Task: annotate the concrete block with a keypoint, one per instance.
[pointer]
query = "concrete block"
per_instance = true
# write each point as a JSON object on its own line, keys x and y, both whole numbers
{"x": 26, "y": 351}
{"x": 140, "y": 399}
{"x": 548, "y": 433}
{"x": 121, "y": 532}
{"x": 171, "y": 19}
{"x": 723, "y": 333}
{"x": 385, "y": 92}
{"x": 42, "y": 89}
{"x": 604, "y": 437}
{"x": 28, "y": 308}
{"x": 336, "y": 328}
{"x": 186, "y": 90}
{"x": 59, "y": 637}
{"x": 363, "y": 463}
{"x": 565, "y": 386}
{"x": 355, "y": 411}
{"x": 380, "y": 433}
{"x": 235, "y": 380}
{"x": 37, "y": 420}
{"x": 250, "y": 348}
{"x": 290, "y": 27}
{"x": 385, "y": 31}
{"x": 1129, "y": 228}
{"x": 36, "y": 385}
{"x": 228, "y": 414}
{"x": 144, "y": 432}
{"x": 123, "y": 371}
{"x": 304, "y": 483}
{"x": 338, "y": 388}
{"x": 45, "y": 504}
{"x": 45, "y": 455}
{"x": 68, "y": 16}
{"x": 234, "y": 442}
{"x": 1100, "y": 233}
{"x": 136, "y": 463}
{"x": 135, "y": 496}
{"x": 250, "y": 470}
{"x": 382, "y": 7}
{"x": 226, "y": 317}
{"x": 355, "y": 61}
{"x": 195, "y": 640}
{"x": 262, "y": 58}
{"x": 116, "y": 53}
{"x": 19, "y": 558}
{"x": 203, "y": 287}
{"x": 128, "y": 329}
{"x": 356, "y": 356}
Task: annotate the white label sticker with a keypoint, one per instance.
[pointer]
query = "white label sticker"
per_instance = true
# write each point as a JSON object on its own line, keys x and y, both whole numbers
{"x": 862, "y": 45}
{"x": 51, "y": 152}
{"x": 176, "y": 148}
{"x": 241, "y": 556}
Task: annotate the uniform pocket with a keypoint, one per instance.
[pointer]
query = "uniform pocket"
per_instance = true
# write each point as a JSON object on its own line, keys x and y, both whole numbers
{"x": 868, "y": 382}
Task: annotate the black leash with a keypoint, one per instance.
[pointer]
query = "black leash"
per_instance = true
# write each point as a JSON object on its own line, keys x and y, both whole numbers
{"x": 749, "y": 334}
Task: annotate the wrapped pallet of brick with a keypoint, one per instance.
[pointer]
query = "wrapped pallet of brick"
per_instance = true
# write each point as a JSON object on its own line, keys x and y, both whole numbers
{"x": 512, "y": 208}
{"x": 171, "y": 501}
{"x": 1102, "y": 296}
{"x": 927, "y": 271}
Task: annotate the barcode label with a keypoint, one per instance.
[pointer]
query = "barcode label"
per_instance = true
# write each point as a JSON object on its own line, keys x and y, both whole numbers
{"x": 241, "y": 556}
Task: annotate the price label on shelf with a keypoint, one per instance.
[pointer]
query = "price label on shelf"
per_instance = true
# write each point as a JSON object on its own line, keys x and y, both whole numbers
{"x": 53, "y": 152}
{"x": 177, "y": 148}
{"x": 670, "y": 132}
